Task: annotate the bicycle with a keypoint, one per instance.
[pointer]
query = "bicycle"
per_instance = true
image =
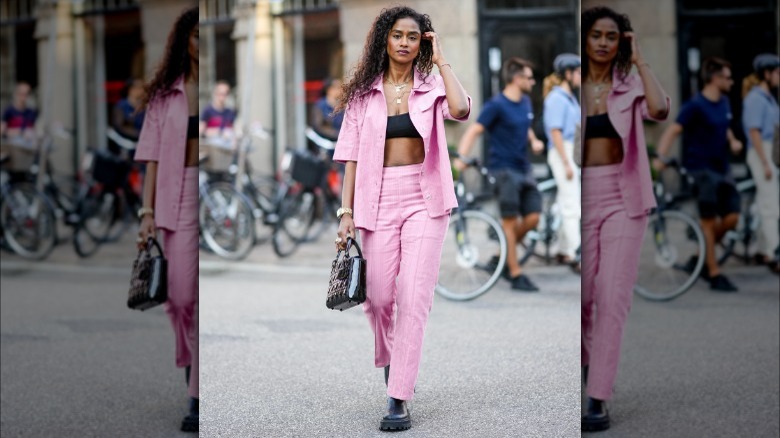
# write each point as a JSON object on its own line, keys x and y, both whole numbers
{"x": 669, "y": 260}
{"x": 27, "y": 219}
{"x": 225, "y": 216}
{"x": 475, "y": 247}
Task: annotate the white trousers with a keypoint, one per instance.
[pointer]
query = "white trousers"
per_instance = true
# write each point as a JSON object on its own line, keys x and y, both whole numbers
{"x": 767, "y": 195}
{"x": 568, "y": 199}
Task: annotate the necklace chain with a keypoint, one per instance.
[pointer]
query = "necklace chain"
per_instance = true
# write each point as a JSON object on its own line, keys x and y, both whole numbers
{"x": 399, "y": 91}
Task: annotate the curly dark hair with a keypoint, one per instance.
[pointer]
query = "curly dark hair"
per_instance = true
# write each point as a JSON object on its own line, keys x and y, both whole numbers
{"x": 176, "y": 60}
{"x": 374, "y": 60}
{"x": 622, "y": 61}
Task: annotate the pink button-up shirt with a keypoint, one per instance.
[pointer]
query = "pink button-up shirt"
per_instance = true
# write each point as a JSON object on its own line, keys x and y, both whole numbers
{"x": 362, "y": 139}
{"x": 163, "y": 139}
{"x": 627, "y": 109}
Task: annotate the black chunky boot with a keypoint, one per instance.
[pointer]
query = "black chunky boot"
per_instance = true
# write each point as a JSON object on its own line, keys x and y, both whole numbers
{"x": 190, "y": 422}
{"x": 597, "y": 417}
{"x": 397, "y": 417}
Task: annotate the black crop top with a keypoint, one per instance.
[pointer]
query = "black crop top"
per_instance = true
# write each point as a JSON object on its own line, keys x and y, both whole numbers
{"x": 600, "y": 126}
{"x": 400, "y": 126}
{"x": 192, "y": 128}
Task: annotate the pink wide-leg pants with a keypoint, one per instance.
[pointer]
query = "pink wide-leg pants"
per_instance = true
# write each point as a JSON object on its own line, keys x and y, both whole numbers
{"x": 611, "y": 243}
{"x": 402, "y": 255}
{"x": 181, "y": 250}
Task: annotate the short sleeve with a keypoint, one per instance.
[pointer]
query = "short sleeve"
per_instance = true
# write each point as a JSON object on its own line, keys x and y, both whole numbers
{"x": 489, "y": 114}
{"x": 205, "y": 114}
{"x": 687, "y": 113}
{"x": 445, "y": 109}
{"x": 752, "y": 112}
{"x": 148, "y": 148}
{"x": 7, "y": 114}
{"x": 646, "y": 111}
{"x": 554, "y": 112}
{"x": 347, "y": 144}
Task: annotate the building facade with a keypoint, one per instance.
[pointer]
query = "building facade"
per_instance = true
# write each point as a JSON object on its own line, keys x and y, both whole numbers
{"x": 77, "y": 55}
{"x": 298, "y": 43}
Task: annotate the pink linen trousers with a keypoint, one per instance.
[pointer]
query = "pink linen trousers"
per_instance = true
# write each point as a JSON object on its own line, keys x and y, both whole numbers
{"x": 615, "y": 202}
{"x": 164, "y": 139}
{"x": 402, "y": 214}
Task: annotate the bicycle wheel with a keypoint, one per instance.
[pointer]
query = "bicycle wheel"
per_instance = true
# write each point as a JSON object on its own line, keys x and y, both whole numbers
{"x": 28, "y": 222}
{"x": 97, "y": 214}
{"x": 671, "y": 241}
{"x": 123, "y": 217}
{"x": 296, "y": 216}
{"x": 468, "y": 266}
{"x": 261, "y": 193}
{"x": 227, "y": 222}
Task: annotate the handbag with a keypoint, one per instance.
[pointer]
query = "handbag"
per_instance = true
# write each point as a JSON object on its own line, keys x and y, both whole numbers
{"x": 149, "y": 280}
{"x": 578, "y": 146}
{"x": 347, "y": 286}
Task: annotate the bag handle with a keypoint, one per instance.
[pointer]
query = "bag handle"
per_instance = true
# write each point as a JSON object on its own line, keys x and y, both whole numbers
{"x": 152, "y": 242}
{"x": 350, "y": 242}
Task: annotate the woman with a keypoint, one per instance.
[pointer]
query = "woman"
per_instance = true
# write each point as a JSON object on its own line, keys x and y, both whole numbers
{"x": 169, "y": 146}
{"x": 323, "y": 120}
{"x": 617, "y": 193}
{"x": 760, "y": 118}
{"x": 561, "y": 115}
{"x": 126, "y": 119}
{"x": 398, "y": 174}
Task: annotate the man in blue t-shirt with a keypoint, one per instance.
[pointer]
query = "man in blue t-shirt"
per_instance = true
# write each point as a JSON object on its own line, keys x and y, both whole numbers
{"x": 707, "y": 143}
{"x": 217, "y": 119}
{"x": 507, "y": 117}
{"x": 18, "y": 120}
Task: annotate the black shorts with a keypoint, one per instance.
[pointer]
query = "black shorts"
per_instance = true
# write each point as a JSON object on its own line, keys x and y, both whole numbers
{"x": 716, "y": 196}
{"x": 517, "y": 193}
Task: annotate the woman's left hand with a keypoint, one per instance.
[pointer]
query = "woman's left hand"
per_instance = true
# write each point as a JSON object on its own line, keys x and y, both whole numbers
{"x": 636, "y": 55}
{"x": 437, "y": 54}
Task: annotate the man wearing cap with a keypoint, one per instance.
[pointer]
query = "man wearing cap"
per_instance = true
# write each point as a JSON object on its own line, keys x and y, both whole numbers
{"x": 761, "y": 122}
{"x": 707, "y": 143}
{"x": 561, "y": 115}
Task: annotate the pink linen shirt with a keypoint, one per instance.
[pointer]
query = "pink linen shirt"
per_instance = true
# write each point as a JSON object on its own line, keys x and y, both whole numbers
{"x": 362, "y": 139}
{"x": 163, "y": 139}
{"x": 627, "y": 109}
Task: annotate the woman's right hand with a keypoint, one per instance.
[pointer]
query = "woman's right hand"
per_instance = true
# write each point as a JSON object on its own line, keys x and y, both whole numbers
{"x": 569, "y": 170}
{"x": 346, "y": 229}
{"x": 146, "y": 230}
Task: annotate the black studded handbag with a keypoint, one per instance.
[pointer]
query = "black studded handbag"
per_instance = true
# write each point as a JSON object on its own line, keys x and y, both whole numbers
{"x": 347, "y": 286}
{"x": 149, "y": 280}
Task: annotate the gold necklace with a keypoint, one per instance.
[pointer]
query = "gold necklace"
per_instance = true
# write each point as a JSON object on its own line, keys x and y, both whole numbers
{"x": 598, "y": 88}
{"x": 398, "y": 90}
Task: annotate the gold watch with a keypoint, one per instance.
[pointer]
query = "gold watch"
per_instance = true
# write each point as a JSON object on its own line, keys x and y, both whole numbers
{"x": 143, "y": 211}
{"x": 342, "y": 211}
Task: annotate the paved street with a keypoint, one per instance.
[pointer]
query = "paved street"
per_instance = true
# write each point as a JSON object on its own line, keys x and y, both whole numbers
{"x": 276, "y": 362}
{"x": 76, "y": 362}
{"x": 703, "y": 365}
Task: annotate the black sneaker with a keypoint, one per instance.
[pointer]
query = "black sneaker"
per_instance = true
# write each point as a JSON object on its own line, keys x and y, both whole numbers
{"x": 523, "y": 283}
{"x": 720, "y": 283}
{"x": 492, "y": 264}
{"x": 690, "y": 265}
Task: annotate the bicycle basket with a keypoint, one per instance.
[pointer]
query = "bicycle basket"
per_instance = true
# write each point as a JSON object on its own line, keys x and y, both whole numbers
{"x": 21, "y": 157}
{"x": 219, "y": 159}
{"x": 307, "y": 169}
{"x": 109, "y": 169}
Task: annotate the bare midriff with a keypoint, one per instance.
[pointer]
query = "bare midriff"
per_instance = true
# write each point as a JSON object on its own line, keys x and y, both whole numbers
{"x": 602, "y": 152}
{"x": 404, "y": 151}
{"x": 191, "y": 157}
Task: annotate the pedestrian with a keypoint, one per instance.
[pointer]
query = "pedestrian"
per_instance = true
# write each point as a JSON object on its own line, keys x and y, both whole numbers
{"x": 127, "y": 117}
{"x": 561, "y": 116}
{"x": 170, "y": 194}
{"x": 760, "y": 119}
{"x": 704, "y": 124}
{"x": 324, "y": 120}
{"x": 398, "y": 175}
{"x": 19, "y": 120}
{"x": 617, "y": 193}
{"x": 508, "y": 116}
{"x": 217, "y": 118}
